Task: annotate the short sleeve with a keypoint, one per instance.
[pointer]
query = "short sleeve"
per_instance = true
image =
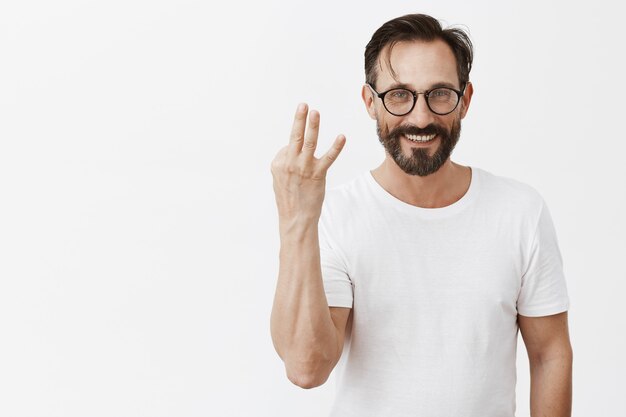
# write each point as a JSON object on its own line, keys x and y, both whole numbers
{"x": 543, "y": 290}
{"x": 337, "y": 283}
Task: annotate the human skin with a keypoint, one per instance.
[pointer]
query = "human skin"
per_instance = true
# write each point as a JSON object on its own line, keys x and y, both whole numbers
{"x": 419, "y": 66}
{"x": 551, "y": 358}
{"x": 307, "y": 335}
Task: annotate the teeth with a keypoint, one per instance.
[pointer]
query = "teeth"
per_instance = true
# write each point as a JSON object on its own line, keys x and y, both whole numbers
{"x": 418, "y": 138}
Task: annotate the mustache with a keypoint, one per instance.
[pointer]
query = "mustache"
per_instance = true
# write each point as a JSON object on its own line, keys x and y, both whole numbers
{"x": 414, "y": 130}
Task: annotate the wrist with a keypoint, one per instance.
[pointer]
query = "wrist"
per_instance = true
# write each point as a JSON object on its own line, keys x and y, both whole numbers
{"x": 297, "y": 227}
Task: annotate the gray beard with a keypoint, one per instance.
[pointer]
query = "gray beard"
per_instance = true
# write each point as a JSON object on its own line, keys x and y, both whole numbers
{"x": 420, "y": 163}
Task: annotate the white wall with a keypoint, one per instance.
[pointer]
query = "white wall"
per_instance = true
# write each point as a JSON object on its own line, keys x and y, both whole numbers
{"x": 138, "y": 232}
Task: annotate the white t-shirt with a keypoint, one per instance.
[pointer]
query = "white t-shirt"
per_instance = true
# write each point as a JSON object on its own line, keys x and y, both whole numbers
{"x": 435, "y": 295}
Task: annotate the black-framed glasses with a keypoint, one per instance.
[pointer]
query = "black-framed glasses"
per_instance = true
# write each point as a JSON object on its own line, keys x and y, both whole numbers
{"x": 440, "y": 100}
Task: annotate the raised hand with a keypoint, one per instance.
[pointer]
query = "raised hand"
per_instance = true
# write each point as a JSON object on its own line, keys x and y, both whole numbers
{"x": 299, "y": 177}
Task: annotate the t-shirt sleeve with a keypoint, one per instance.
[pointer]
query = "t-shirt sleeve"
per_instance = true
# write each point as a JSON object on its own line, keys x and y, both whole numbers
{"x": 543, "y": 291}
{"x": 337, "y": 283}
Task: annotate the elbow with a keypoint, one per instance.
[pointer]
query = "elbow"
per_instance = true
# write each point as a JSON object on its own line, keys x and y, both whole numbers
{"x": 309, "y": 368}
{"x": 307, "y": 380}
{"x": 309, "y": 373}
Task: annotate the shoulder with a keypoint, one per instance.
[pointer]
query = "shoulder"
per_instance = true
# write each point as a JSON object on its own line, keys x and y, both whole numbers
{"x": 347, "y": 193}
{"x": 342, "y": 202}
{"x": 509, "y": 193}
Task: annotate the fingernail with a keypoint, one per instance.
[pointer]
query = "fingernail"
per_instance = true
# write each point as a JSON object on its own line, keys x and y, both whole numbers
{"x": 301, "y": 107}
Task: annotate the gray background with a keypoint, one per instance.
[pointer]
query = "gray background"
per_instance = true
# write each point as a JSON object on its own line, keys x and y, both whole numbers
{"x": 138, "y": 230}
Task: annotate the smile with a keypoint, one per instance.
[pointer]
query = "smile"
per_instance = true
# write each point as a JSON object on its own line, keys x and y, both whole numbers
{"x": 420, "y": 138}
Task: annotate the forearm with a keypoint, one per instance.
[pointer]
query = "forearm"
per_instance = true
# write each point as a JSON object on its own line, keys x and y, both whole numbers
{"x": 302, "y": 329}
{"x": 551, "y": 387}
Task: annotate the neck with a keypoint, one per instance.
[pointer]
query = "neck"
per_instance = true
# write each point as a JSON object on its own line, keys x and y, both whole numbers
{"x": 439, "y": 189}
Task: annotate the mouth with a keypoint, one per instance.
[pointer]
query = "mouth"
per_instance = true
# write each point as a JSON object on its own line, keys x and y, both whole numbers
{"x": 421, "y": 138}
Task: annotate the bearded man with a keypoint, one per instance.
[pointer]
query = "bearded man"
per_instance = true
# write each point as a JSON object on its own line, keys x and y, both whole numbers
{"x": 414, "y": 278}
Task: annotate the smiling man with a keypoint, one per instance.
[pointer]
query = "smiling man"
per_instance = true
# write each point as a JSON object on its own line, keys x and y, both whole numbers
{"x": 414, "y": 278}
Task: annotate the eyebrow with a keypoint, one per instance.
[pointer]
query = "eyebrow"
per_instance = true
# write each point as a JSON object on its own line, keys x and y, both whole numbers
{"x": 432, "y": 86}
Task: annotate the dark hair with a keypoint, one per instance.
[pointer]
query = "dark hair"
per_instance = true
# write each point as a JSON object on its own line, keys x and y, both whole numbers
{"x": 418, "y": 27}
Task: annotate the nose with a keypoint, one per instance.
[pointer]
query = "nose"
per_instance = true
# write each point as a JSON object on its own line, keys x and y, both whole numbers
{"x": 420, "y": 116}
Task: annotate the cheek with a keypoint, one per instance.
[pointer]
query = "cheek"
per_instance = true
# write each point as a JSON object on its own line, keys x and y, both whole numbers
{"x": 377, "y": 110}
{"x": 383, "y": 125}
{"x": 449, "y": 120}
{"x": 386, "y": 121}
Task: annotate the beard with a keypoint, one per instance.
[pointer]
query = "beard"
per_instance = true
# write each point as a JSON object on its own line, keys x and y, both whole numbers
{"x": 419, "y": 163}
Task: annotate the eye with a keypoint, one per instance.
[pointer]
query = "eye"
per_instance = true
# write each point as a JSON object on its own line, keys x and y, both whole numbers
{"x": 441, "y": 93}
{"x": 400, "y": 95}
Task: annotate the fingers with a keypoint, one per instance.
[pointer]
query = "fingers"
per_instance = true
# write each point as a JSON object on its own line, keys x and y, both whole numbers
{"x": 297, "y": 131}
{"x": 303, "y": 141}
{"x": 312, "y": 132}
{"x": 331, "y": 155}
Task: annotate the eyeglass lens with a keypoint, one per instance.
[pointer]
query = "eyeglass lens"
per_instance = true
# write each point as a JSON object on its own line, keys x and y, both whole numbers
{"x": 440, "y": 100}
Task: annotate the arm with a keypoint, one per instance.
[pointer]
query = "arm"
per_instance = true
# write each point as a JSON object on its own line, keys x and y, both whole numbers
{"x": 307, "y": 334}
{"x": 550, "y": 356}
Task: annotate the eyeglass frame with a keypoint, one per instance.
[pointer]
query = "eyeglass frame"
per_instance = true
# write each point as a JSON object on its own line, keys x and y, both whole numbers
{"x": 381, "y": 96}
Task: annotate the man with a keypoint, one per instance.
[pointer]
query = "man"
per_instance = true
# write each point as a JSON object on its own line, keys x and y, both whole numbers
{"x": 418, "y": 274}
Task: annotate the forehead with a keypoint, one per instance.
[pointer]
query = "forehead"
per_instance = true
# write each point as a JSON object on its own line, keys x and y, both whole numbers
{"x": 418, "y": 64}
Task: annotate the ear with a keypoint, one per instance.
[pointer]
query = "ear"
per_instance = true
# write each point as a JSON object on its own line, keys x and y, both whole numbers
{"x": 466, "y": 99}
{"x": 368, "y": 98}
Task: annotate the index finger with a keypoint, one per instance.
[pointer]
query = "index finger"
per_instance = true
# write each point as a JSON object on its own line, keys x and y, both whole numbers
{"x": 331, "y": 155}
{"x": 297, "y": 131}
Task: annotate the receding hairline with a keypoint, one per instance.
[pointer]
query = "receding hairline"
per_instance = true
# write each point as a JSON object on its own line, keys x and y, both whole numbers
{"x": 388, "y": 49}
{"x": 422, "y": 27}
